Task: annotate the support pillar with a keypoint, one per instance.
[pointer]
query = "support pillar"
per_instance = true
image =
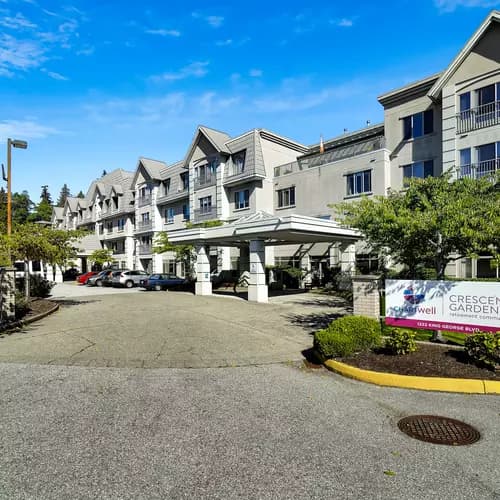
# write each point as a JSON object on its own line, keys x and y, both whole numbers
{"x": 203, "y": 284}
{"x": 366, "y": 296}
{"x": 348, "y": 258}
{"x": 8, "y": 294}
{"x": 305, "y": 265}
{"x": 257, "y": 288}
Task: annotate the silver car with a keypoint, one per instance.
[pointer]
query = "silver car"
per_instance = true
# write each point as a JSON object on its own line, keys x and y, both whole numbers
{"x": 128, "y": 278}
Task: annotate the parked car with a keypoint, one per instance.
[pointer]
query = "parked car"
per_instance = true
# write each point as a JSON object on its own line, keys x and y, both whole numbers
{"x": 97, "y": 280}
{"x": 159, "y": 282}
{"x": 127, "y": 278}
{"x": 70, "y": 274}
{"x": 83, "y": 278}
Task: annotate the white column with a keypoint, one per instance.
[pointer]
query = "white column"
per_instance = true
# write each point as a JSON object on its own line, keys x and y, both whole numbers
{"x": 305, "y": 265}
{"x": 257, "y": 288}
{"x": 223, "y": 259}
{"x": 348, "y": 258}
{"x": 203, "y": 284}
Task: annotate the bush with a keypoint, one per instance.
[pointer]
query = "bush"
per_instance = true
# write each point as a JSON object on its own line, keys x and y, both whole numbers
{"x": 484, "y": 349}
{"x": 348, "y": 335}
{"x": 39, "y": 286}
{"x": 22, "y": 307}
{"x": 400, "y": 341}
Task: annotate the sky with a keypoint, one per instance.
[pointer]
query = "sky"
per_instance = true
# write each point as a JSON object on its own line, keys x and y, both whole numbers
{"x": 93, "y": 85}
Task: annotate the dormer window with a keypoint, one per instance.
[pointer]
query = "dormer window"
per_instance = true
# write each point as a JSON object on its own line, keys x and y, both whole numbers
{"x": 239, "y": 162}
{"x": 166, "y": 186}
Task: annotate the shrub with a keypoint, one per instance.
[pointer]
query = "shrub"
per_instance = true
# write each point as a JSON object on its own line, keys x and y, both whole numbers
{"x": 348, "y": 335}
{"x": 39, "y": 286}
{"x": 22, "y": 307}
{"x": 484, "y": 349}
{"x": 400, "y": 341}
{"x": 332, "y": 344}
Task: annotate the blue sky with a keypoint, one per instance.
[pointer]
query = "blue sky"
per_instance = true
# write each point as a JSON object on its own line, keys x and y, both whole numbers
{"x": 93, "y": 85}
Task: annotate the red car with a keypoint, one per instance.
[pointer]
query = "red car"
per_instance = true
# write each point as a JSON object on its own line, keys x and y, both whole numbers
{"x": 83, "y": 278}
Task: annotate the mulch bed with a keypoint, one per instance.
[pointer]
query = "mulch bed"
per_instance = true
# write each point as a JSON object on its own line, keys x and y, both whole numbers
{"x": 427, "y": 361}
{"x": 39, "y": 306}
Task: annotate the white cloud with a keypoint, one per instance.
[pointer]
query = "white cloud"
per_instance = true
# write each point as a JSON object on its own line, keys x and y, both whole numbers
{"x": 25, "y": 129}
{"x": 255, "y": 73}
{"x": 54, "y": 75}
{"x": 17, "y": 22}
{"x": 214, "y": 21}
{"x": 344, "y": 22}
{"x": 224, "y": 43}
{"x": 163, "y": 32}
{"x": 68, "y": 26}
{"x": 211, "y": 103}
{"x": 451, "y": 5}
{"x": 20, "y": 54}
{"x": 86, "y": 51}
{"x": 196, "y": 69}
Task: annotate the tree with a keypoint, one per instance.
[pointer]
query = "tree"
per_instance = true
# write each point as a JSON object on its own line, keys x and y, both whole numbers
{"x": 80, "y": 194}
{"x": 21, "y": 207}
{"x": 46, "y": 195}
{"x": 104, "y": 173}
{"x": 42, "y": 212}
{"x": 63, "y": 195}
{"x": 183, "y": 253}
{"x": 431, "y": 223}
{"x": 101, "y": 256}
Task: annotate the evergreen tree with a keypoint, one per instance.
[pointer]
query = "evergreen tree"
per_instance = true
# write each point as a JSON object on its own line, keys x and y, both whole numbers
{"x": 46, "y": 195}
{"x": 104, "y": 173}
{"x": 65, "y": 193}
{"x": 21, "y": 207}
{"x": 80, "y": 194}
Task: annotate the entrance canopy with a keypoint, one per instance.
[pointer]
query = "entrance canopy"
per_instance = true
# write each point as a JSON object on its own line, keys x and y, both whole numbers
{"x": 270, "y": 229}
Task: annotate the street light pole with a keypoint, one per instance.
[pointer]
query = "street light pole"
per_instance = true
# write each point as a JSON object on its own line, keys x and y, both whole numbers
{"x": 16, "y": 144}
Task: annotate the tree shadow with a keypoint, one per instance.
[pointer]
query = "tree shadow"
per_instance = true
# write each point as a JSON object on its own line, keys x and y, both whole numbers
{"x": 312, "y": 322}
{"x": 71, "y": 302}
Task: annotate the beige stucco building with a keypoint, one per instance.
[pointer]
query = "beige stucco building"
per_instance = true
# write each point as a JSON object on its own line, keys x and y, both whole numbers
{"x": 450, "y": 120}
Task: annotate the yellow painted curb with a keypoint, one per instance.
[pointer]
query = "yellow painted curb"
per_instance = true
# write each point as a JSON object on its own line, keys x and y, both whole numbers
{"x": 462, "y": 385}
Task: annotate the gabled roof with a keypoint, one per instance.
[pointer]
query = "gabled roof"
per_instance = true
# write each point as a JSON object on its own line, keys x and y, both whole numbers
{"x": 216, "y": 138}
{"x": 151, "y": 167}
{"x": 435, "y": 91}
{"x": 173, "y": 168}
{"x": 57, "y": 213}
{"x": 71, "y": 203}
{"x": 81, "y": 203}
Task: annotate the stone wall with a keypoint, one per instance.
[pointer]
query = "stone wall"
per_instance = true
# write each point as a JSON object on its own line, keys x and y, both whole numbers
{"x": 366, "y": 296}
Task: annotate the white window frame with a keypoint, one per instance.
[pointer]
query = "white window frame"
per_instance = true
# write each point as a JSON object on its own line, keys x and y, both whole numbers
{"x": 285, "y": 197}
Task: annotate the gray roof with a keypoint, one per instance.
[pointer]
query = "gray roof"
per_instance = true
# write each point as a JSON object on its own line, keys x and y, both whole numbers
{"x": 118, "y": 178}
{"x": 57, "y": 213}
{"x": 153, "y": 167}
{"x": 72, "y": 203}
{"x": 216, "y": 137}
{"x": 251, "y": 144}
{"x": 88, "y": 244}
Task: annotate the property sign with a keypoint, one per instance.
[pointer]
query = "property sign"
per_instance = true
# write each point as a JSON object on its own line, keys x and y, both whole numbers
{"x": 460, "y": 306}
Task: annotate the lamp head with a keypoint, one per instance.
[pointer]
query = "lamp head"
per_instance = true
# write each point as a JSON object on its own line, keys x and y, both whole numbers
{"x": 19, "y": 144}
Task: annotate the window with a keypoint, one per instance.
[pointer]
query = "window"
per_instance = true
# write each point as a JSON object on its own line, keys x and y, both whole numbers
{"x": 239, "y": 163}
{"x": 465, "y": 162}
{"x": 242, "y": 199}
{"x": 145, "y": 217}
{"x": 185, "y": 212}
{"x": 488, "y": 158}
{"x": 121, "y": 224}
{"x": 418, "y": 124}
{"x": 169, "y": 215}
{"x": 166, "y": 186}
{"x": 418, "y": 169}
{"x": 206, "y": 205}
{"x": 109, "y": 227}
{"x": 359, "y": 183}
{"x": 286, "y": 197}
{"x": 169, "y": 267}
{"x": 184, "y": 181}
{"x": 464, "y": 102}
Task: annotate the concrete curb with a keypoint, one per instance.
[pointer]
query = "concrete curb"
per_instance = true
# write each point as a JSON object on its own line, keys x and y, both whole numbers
{"x": 22, "y": 322}
{"x": 460, "y": 385}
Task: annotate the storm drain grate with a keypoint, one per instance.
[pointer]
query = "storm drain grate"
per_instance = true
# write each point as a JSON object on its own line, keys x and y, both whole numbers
{"x": 438, "y": 430}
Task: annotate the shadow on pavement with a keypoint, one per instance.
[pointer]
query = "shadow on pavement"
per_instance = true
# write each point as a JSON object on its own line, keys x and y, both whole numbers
{"x": 313, "y": 322}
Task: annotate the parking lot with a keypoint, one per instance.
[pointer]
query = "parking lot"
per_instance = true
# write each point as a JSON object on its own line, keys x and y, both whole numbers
{"x": 122, "y": 327}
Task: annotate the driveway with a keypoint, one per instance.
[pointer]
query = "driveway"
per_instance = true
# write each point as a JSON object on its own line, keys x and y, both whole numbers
{"x": 119, "y": 328}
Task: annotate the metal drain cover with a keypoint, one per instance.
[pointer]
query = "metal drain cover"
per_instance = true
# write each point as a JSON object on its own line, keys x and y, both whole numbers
{"x": 438, "y": 430}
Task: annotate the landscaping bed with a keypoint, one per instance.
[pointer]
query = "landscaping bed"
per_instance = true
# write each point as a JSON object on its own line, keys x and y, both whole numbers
{"x": 426, "y": 361}
{"x": 39, "y": 306}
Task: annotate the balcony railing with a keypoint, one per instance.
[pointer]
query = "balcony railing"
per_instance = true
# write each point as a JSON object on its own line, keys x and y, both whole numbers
{"x": 483, "y": 169}
{"x": 144, "y": 225}
{"x": 483, "y": 116}
{"x": 144, "y": 200}
{"x": 205, "y": 181}
{"x": 118, "y": 251}
{"x": 205, "y": 213}
{"x": 145, "y": 249}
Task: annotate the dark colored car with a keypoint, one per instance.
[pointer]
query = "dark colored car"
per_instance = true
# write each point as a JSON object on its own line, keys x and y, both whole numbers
{"x": 159, "y": 282}
{"x": 83, "y": 278}
{"x": 98, "y": 279}
{"x": 70, "y": 274}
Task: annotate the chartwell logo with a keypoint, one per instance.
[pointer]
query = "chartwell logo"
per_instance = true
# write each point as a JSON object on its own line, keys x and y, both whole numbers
{"x": 413, "y": 298}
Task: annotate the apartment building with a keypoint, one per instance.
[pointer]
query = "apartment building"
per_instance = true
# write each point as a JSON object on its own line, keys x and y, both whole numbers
{"x": 450, "y": 120}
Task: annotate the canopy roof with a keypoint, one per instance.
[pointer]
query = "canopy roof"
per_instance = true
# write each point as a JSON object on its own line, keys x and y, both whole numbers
{"x": 272, "y": 229}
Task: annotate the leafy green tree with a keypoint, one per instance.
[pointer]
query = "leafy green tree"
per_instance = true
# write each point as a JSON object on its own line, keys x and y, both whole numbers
{"x": 102, "y": 256}
{"x": 21, "y": 207}
{"x": 183, "y": 253}
{"x": 431, "y": 223}
{"x": 65, "y": 193}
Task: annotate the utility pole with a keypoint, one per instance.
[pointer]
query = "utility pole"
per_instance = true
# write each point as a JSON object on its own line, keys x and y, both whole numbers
{"x": 11, "y": 143}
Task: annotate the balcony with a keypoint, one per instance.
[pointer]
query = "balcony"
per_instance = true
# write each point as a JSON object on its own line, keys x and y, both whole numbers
{"x": 145, "y": 249}
{"x": 478, "y": 170}
{"x": 144, "y": 226}
{"x": 205, "y": 214}
{"x": 483, "y": 116}
{"x": 142, "y": 201}
{"x": 205, "y": 181}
